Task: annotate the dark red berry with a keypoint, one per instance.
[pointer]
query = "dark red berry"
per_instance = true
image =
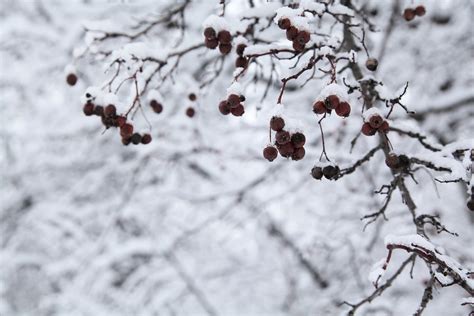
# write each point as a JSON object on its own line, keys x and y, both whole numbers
{"x": 277, "y": 123}
{"x": 224, "y": 107}
{"x": 225, "y": 48}
{"x": 210, "y": 33}
{"x": 270, "y": 153}
{"x": 286, "y": 150}
{"x": 420, "y": 10}
{"x": 282, "y": 137}
{"x": 372, "y": 64}
{"x": 332, "y": 102}
{"x": 238, "y": 111}
{"x": 343, "y": 109}
{"x": 211, "y": 43}
{"x": 319, "y": 107}
{"x": 384, "y": 127}
{"x": 330, "y": 172}
{"x": 99, "y": 110}
{"x": 156, "y": 106}
{"x": 367, "y": 130}
{"x": 121, "y": 120}
{"x": 303, "y": 37}
{"x": 234, "y": 100}
{"x": 190, "y": 112}
{"x": 192, "y": 97}
{"x": 241, "y": 62}
{"x": 136, "y": 138}
{"x": 409, "y": 14}
{"x": 240, "y": 49}
{"x": 146, "y": 139}
{"x": 88, "y": 109}
{"x": 284, "y": 23}
{"x": 392, "y": 161}
{"x": 224, "y": 37}
{"x": 71, "y": 79}
{"x": 291, "y": 33}
{"x": 126, "y": 130}
{"x": 297, "y": 46}
{"x": 317, "y": 173}
{"x": 375, "y": 121}
{"x": 298, "y": 154}
{"x": 110, "y": 110}
{"x": 125, "y": 141}
{"x": 298, "y": 140}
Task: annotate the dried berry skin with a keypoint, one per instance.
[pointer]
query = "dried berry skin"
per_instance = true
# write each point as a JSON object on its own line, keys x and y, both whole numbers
{"x": 136, "y": 138}
{"x": 146, "y": 139}
{"x": 211, "y": 43}
{"x": 376, "y": 121}
{"x": 126, "y": 130}
{"x": 286, "y": 150}
{"x": 372, "y": 64}
{"x": 224, "y": 107}
{"x": 319, "y": 107}
{"x": 270, "y": 153}
{"x": 303, "y": 37}
{"x": 241, "y": 62}
{"x": 234, "y": 100}
{"x": 298, "y": 154}
{"x": 298, "y": 140}
{"x": 238, "y": 111}
{"x": 367, "y": 130}
{"x": 225, "y": 48}
{"x": 277, "y": 123}
{"x": 110, "y": 110}
{"x": 343, "y": 109}
{"x": 240, "y": 49}
{"x": 330, "y": 172}
{"x": 332, "y": 102}
{"x": 282, "y": 137}
{"x": 210, "y": 33}
{"x": 71, "y": 79}
{"x": 317, "y": 173}
{"x": 99, "y": 110}
{"x": 88, "y": 109}
{"x": 420, "y": 10}
{"x": 384, "y": 127}
{"x": 192, "y": 97}
{"x": 291, "y": 33}
{"x": 284, "y": 23}
{"x": 190, "y": 112}
{"x": 156, "y": 106}
{"x": 224, "y": 37}
{"x": 409, "y": 14}
{"x": 392, "y": 161}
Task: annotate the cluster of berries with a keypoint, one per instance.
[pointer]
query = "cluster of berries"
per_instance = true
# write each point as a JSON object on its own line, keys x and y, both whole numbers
{"x": 156, "y": 106}
{"x": 299, "y": 37}
{"x": 375, "y": 123}
{"x": 110, "y": 118}
{"x": 396, "y": 162}
{"x": 222, "y": 39}
{"x": 409, "y": 13}
{"x": 288, "y": 145}
{"x": 232, "y": 105}
{"x": 332, "y": 102}
{"x": 329, "y": 172}
{"x": 71, "y": 79}
{"x": 241, "y": 61}
{"x": 190, "y": 111}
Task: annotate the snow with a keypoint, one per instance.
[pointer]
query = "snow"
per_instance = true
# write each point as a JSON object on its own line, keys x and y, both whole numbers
{"x": 218, "y": 23}
{"x": 333, "y": 89}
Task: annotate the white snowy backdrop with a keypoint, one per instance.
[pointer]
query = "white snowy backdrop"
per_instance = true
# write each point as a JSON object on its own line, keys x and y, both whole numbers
{"x": 198, "y": 222}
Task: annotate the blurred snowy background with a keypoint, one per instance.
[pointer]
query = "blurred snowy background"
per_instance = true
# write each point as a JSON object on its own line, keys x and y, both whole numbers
{"x": 197, "y": 223}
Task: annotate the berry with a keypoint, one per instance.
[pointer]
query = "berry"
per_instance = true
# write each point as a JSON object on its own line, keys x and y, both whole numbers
{"x": 238, "y": 111}
{"x": 277, "y": 123}
{"x": 234, "y": 100}
{"x": 284, "y": 23}
{"x": 330, "y": 171}
{"x": 110, "y": 110}
{"x": 224, "y": 107}
{"x": 286, "y": 150}
{"x": 242, "y": 98}
{"x": 303, "y": 37}
{"x": 291, "y": 33}
{"x": 224, "y": 37}
{"x": 192, "y": 97}
{"x": 282, "y": 137}
{"x": 190, "y": 112}
{"x": 211, "y": 43}
{"x": 343, "y": 109}
{"x": 298, "y": 140}
{"x": 420, "y": 10}
{"x": 125, "y": 141}
{"x": 332, "y": 102}
{"x": 225, "y": 48}
{"x": 317, "y": 173}
{"x": 298, "y": 154}
{"x": 392, "y": 161}
{"x": 209, "y": 33}
{"x": 136, "y": 138}
{"x": 319, "y": 107}
{"x": 367, "y": 130}
{"x": 409, "y": 14}
{"x": 297, "y": 46}
{"x": 99, "y": 110}
{"x": 241, "y": 62}
{"x": 372, "y": 64}
{"x": 470, "y": 204}
{"x": 88, "y": 109}
{"x": 404, "y": 161}
{"x": 240, "y": 49}
{"x": 126, "y": 130}
{"x": 146, "y": 139}
{"x": 71, "y": 79}
{"x": 375, "y": 121}
{"x": 384, "y": 127}
{"x": 270, "y": 153}
{"x": 156, "y": 106}
{"x": 121, "y": 120}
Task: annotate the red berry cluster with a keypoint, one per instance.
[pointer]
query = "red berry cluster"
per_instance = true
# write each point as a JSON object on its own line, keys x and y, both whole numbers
{"x": 332, "y": 102}
{"x": 190, "y": 111}
{"x": 375, "y": 124}
{"x": 409, "y": 13}
{"x": 287, "y": 144}
{"x": 71, "y": 79}
{"x": 222, "y": 39}
{"x": 156, "y": 106}
{"x": 232, "y": 105}
{"x": 110, "y": 118}
{"x": 329, "y": 172}
{"x": 299, "y": 37}
{"x": 241, "y": 61}
{"x": 397, "y": 162}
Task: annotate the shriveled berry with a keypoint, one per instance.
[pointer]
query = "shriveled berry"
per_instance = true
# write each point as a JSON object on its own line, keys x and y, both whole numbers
{"x": 126, "y": 130}
{"x": 282, "y": 137}
{"x": 71, "y": 79}
{"x": 297, "y": 46}
{"x": 319, "y": 107}
{"x": 224, "y": 107}
{"x": 99, "y": 110}
{"x": 330, "y": 172}
{"x": 286, "y": 150}
{"x": 224, "y": 37}
{"x": 192, "y": 97}
{"x": 238, "y": 111}
{"x": 372, "y": 64}
{"x": 343, "y": 109}
{"x": 210, "y": 33}
{"x": 367, "y": 130}
{"x": 291, "y": 33}
{"x": 136, "y": 138}
{"x": 284, "y": 23}
{"x": 317, "y": 173}
{"x": 240, "y": 49}
{"x": 146, "y": 139}
{"x": 420, "y": 10}
{"x": 332, "y": 102}
{"x": 234, "y": 100}
{"x": 241, "y": 62}
{"x": 270, "y": 153}
{"x": 303, "y": 37}
{"x": 156, "y": 106}
{"x": 392, "y": 161}
{"x": 409, "y": 14}
{"x": 190, "y": 111}
{"x": 88, "y": 109}
{"x": 298, "y": 140}
{"x": 110, "y": 110}
{"x": 376, "y": 121}
{"x": 298, "y": 154}
{"x": 225, "y": 48}
{"x": 211, "y": 43}
{"x": 277, "y": 123}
